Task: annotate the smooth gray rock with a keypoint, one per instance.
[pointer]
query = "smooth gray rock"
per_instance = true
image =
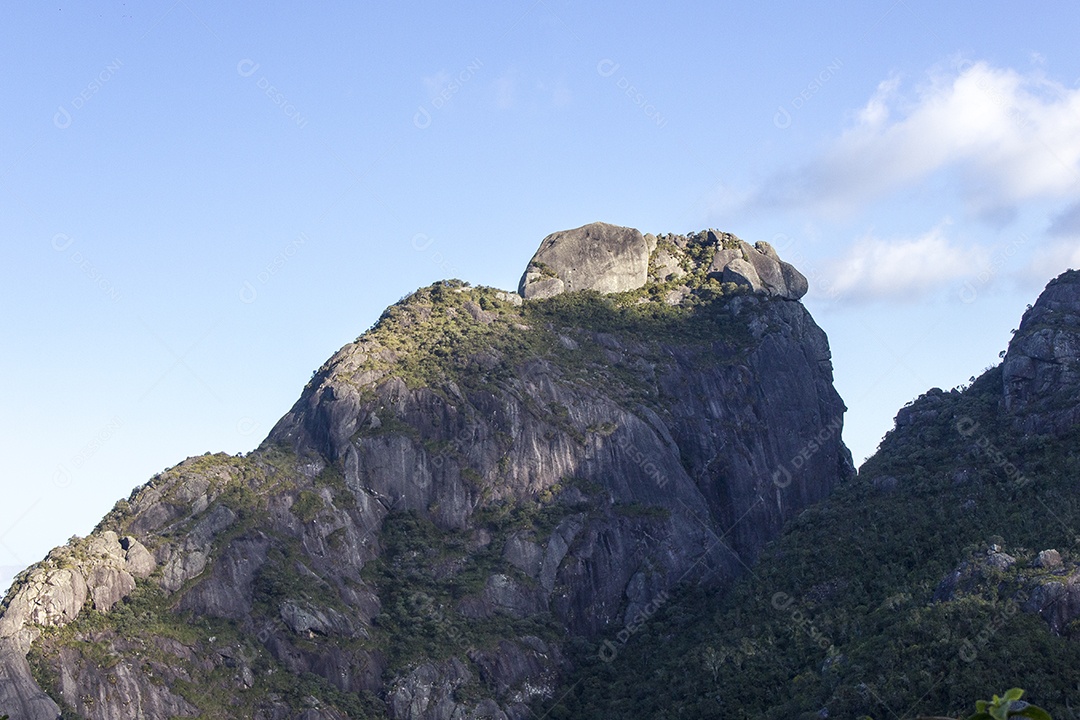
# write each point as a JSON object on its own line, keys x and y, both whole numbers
{"x": 1000, "y": 561}
{"x": 119, "y": 694}
{"x": 226, "y": 593}
{"x": 108, "y": 586}
{"x": 427, "y": 693}
{"x": 767, "y": 250}
{"x": 720, "y": 261}
{"x": 794, "y": 281}
{"x": 20, "y": 697}
{"x": 303, "y": 619}
{"x": 601, "y": 257}
{"x": 758, "y": 267}
{"x": 525, "y": 555}
{"x": 743, "y": 273}
{"x": 502, "y": 594}
{"x": 768, "y": 270}
{"x": 137, "y": 559}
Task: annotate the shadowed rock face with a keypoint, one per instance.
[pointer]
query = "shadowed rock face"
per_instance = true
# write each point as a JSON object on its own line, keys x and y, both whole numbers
{"x": 1041, "y": 372}
{"x": 454, "y": 496}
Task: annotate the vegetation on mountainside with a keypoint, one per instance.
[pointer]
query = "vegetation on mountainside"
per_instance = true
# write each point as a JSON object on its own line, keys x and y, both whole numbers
{"x": 840, "y": 619}
{"x": 890, "y": 599}
{"x": 475, "y": 338}
{"x": 448, "y": 332}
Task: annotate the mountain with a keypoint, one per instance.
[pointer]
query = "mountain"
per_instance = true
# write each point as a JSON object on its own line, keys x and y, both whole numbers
{"x": 947, "y": 571}
{"x": 464, "y": 504}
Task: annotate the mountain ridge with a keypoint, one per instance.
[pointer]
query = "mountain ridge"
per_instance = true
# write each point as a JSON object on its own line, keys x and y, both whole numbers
{"x": 472, "y": 486}
{"x": 946, "y": 571}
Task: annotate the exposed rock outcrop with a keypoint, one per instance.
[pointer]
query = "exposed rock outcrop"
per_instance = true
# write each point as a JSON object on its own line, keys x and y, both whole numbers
{"x": 1041, "y": 371}
{"x": 1056, "y": 600}
{"x": 97, "y": 572}
{"x": 468, "y": 486}
{"x": 612, "y": 259}
{"x": 602, "y": 257}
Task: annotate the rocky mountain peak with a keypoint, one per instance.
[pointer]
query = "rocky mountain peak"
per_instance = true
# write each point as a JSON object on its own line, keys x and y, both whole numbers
{"x": 474, "y": 485}
{"x": 611, "y": 259}
{"x": 1041, "y": 371}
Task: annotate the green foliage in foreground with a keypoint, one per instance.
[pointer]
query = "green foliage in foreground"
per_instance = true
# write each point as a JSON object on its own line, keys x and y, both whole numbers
{"x": 839, "y": 619}
{"x": 1007, "y": 706}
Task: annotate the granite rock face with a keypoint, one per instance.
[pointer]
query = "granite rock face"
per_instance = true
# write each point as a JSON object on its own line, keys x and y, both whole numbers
{"x": 612, "y": 259}
{"x": 467, "y": 487}
{"x": 99, "y": 572}
{"x": 601, "y": 257}
{"x": 759, "y": 268}
{"x": 1041, "y": 371}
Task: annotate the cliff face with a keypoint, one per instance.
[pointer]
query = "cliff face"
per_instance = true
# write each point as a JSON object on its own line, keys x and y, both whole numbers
{"x": 1041, "y": 371}
{"x": 470, "y": 486}
{"x": 947, "y": 568}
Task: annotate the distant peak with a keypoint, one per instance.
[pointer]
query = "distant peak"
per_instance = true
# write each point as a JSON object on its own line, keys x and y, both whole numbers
{"x": 611, "y": 259}
{"x": 1041, "y": 371}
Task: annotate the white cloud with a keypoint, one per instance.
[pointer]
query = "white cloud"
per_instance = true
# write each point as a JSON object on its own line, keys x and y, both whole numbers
{"x": 1003, "y": 136}
{"x": 1050, "y": 260}
{"x": 907, "y": 268}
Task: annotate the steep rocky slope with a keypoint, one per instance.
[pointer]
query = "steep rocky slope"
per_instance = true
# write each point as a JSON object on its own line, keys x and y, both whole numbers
{"x": 948, "y": 570}
{"x": 458, "y": 500}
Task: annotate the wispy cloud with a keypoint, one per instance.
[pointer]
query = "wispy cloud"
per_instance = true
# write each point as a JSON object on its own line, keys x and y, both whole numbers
{"x": 435, "y": 84}
{"x": 1066, "y": 223}
{"x": 1049, "y": 260}
{"x": 512, "y": 89}
{"x": 1003, "y": 137}
{"x": 905, "y": 268}
{"x": 506, "y": 89}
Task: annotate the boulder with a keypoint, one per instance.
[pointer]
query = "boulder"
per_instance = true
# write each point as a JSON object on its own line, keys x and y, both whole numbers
{"x": 1048, "y": 559}
{"x": 138, "y": 560}
{"x": 742, "y": 272}
{"x": 767, "y": 268}
{"x": 721, "y": 260}
{"x": 108, "y": 586}
{"x": 756, "y": 266}
{"x": 601, "y": 257}
{"x": 794, "y": 281}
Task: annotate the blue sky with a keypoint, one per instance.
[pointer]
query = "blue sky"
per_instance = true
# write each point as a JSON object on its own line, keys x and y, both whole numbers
{"x": 199, "y": 204}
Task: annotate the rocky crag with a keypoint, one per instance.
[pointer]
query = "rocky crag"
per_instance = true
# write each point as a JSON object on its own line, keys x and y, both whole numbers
{"x": 949, "y": 569}
{"x": 477, "y": 485}
{"x": 1041, "y": 371}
